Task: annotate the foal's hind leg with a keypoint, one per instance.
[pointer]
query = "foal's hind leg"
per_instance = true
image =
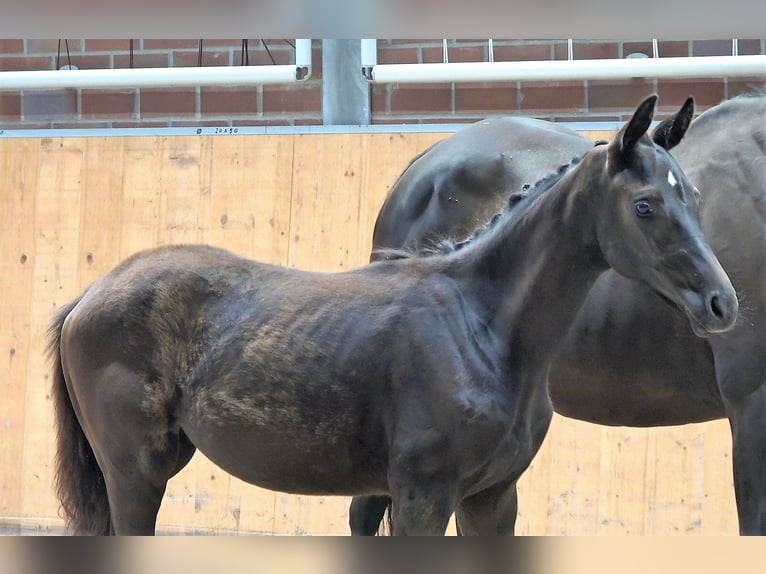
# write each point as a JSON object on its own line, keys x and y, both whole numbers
{"x": 135, "y": 494}
{"x": 137, "y": 445}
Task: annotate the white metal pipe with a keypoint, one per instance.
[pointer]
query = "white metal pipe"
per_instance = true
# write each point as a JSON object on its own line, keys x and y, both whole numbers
{"x": 369, "y": 47}
{"x": 117, "y": 79}
{"x": 303, "y": 53}
{"x": 148, "y": 77}
{"x": 561, "y": 70}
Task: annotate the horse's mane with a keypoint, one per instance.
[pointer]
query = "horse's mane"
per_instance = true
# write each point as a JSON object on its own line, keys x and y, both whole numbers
{"x": 526, "y": 195}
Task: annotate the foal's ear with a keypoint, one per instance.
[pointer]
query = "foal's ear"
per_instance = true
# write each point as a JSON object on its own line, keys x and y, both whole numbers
{"x": 633, "y": 131}
{"x": 671, "y": 131}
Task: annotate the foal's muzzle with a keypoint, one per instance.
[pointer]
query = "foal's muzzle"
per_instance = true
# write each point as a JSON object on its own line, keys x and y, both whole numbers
{"x": 717, "y": 312}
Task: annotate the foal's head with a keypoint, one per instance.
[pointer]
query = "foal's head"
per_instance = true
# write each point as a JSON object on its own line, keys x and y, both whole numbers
{"x": 648, "y": 225}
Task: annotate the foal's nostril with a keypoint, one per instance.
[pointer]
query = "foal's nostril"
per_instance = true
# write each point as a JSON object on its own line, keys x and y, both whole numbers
{"x": 715, "y": 307}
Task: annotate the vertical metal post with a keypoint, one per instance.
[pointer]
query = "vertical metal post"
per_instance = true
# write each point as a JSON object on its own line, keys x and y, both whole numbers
{"x": 345, "y": 92}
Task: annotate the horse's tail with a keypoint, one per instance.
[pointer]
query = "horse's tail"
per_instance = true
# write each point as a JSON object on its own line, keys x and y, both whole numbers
{"x": 78, "y": 483}
{"x": 387, "y": 520}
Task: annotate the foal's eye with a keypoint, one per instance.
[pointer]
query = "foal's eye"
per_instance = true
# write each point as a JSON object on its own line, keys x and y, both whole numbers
{"x": 644, "y": 208}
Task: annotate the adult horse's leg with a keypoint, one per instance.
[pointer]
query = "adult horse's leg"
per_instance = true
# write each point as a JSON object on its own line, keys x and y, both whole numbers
{"x": 741, "y": 373}
{"x": 366, "y": 513}
{"x": 490, "y": 512}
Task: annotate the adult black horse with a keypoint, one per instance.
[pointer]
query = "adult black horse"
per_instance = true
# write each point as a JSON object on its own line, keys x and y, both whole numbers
{"x": 458, "y": 183}
{"x": 423, "y": 378}
{"x": 630, "y": 359}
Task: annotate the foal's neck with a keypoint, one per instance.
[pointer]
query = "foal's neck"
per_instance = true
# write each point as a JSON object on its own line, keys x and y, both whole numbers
{"x": 536, "y": 272}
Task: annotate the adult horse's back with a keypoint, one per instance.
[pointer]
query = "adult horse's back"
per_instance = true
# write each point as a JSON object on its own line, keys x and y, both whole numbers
{"x": 631, "y": 359}
{"x": 459, "y": 182}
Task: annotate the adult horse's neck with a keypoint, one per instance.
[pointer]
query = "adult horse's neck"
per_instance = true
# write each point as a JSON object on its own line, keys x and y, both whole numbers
{"x": 534, "y": 270}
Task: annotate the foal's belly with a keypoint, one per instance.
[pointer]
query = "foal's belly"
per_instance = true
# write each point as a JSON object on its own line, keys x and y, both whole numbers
{"x": 295, "y": 459}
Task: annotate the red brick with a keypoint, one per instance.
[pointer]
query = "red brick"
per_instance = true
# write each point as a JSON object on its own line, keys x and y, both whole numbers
{"x": 273, "y": 41}
{"x": 225, "y": 42}
{"x": 260, "y": 57}
{"x": 317, "y": 121}
{"x": 588, "y": 50}
{"x": 107, "y": 103}
{"x": 316, "y": 61}
{"x": 636, "y": 47}
{"x": 10, "y": 105}
{"x": 379, "y": 98}
{"x": 43, "y": 46}
{"x": 398, "y": 55}
{"x": 171, "y": 44}
{"x": 412, "y": 42}
{"x": 199, "y": 123}
{"x": 141, "y": 60}
{"x": 228, "y": 101}
{"x": 522, "y": 53}
{"x": 8, "y": 63}
{"x": 89, "y": 61}
{"x": 110, "y": 45}
{"x": 455, "y": 120}
{"x": 735, "y": 87}
{"x": 455, "y": 54}
{"x": 552, "y": 96}
{"x": 79, "y": 125}
{"x": 672, "y": 93}
{"x": 9, "y": 46}
{"x": 139, "y": 124}
{"x": 590, "y": 118}
{"x": 24, "y": 125}
{"x": 711, "y": 48}
{"x": 261, "y": 122}
{"x": 673, "y": 49}
{"x": 492, "y": 98}
{"x": 167, "y": 102}
{"x": 386, "y": 119}
{"x": 749, "y": 47}
{"x": 467, "y": 53}
{"x": 50, "y": 104}
{"x": 617, "y": 95}
{"x": 209, "y": 58}
{"x": 665, "y": 49}
{"x": 423, "y": 98}
{"x": 292, "y": 98}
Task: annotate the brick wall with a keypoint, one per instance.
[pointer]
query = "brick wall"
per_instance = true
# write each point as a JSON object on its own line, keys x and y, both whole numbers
{"x": 157, "y": 107}
{"x": 301, "y": 104}
{"x": 558, "y": 101}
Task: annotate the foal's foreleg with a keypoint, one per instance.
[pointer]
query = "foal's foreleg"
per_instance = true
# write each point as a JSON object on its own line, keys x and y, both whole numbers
{"x": 423, "y": 496}
{"x": 420, "y": 511}
{"x": 490, "y": 512}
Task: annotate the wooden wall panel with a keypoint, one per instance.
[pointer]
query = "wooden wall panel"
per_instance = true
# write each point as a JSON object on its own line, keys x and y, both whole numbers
{"x": 71, "y": 209}
{"x": 18, "y": 186}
